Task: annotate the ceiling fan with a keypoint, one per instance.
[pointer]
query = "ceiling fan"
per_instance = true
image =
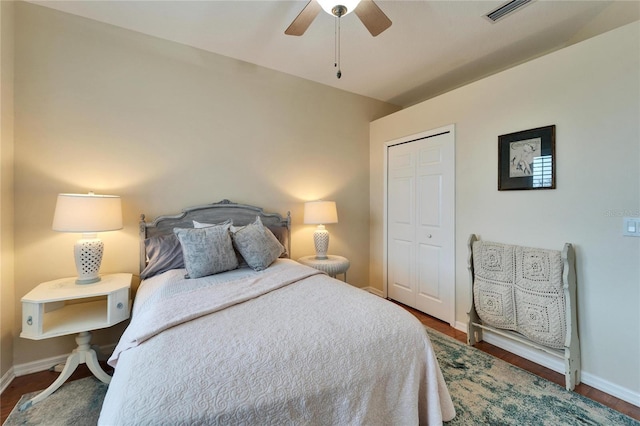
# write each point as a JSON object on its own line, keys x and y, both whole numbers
{"x": 369, "y": 13}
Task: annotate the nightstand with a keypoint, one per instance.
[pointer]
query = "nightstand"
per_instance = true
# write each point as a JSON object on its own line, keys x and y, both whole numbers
{"x": 332, "y": 265}
{"x": 61, "y": 307}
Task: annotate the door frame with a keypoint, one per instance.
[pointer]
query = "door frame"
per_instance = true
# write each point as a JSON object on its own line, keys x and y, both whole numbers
{"x": 385, "y": 160}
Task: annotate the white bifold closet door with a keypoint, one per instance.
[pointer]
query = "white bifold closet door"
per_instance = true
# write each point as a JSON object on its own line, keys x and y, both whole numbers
{"x": 421, "y": 223}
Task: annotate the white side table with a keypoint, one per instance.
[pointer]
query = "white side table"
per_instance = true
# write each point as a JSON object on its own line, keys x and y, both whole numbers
{"x": 333, "y": 265}
{"x": 61, "y": 307}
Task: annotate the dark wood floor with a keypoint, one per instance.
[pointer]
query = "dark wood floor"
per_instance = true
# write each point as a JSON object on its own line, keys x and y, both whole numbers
{"x": 41, "y": 380}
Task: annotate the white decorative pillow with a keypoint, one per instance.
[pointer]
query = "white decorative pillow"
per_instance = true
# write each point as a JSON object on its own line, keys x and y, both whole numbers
{"x": 257, "y": 244}
{"x": 207, "y": 251}
{"x": 199, "y": 225}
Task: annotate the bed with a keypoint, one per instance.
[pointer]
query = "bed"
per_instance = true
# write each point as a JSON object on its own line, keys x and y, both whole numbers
{"x": 277, "y": 343}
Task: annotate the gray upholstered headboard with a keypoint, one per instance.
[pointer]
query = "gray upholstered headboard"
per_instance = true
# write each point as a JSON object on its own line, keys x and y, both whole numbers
{"x": 215, "y": 213}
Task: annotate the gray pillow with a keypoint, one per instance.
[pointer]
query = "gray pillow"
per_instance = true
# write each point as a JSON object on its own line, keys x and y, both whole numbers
{"x": 257, "y": 245}
{"x": 164, "y": 253}
{"x": 207, "y": 251}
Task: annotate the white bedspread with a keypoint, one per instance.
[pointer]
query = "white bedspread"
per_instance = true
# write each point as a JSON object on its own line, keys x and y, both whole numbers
{"x": 281, "y": 346}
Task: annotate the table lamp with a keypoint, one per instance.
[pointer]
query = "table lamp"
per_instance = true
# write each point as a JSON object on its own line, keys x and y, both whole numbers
{"x": 88, "y": 213}
{"x": 320, "y": 213}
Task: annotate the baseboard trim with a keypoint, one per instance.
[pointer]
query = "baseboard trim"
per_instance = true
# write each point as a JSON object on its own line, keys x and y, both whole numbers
{"x": 611, "y": 388}
{"x": 39, "y": 365}
{"x": 373, "y": 290}
{"x": 532, "y": 354}
{"x": 48, "y": 363}
{"x": 557, "y": 365}
{"x": 6, "y": 379}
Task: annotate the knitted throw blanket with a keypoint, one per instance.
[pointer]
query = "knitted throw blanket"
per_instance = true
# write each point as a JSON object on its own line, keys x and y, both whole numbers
{"x": 520, "y": 289}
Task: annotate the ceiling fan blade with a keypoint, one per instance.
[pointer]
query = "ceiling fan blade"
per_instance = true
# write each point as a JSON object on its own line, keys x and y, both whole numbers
{"x": 304, "y": 19}
{"x": 372, "y": 17}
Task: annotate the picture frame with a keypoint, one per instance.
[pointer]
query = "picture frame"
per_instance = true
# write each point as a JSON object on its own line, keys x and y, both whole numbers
{"x": 527, "y": 159}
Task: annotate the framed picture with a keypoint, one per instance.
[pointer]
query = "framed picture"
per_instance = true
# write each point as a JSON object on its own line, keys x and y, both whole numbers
{"x": 527, "y": 159}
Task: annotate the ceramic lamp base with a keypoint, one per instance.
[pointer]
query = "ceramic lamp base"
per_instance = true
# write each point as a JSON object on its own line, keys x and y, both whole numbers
{"x": 88, "y": 256}
{"x": 321, "y": 242}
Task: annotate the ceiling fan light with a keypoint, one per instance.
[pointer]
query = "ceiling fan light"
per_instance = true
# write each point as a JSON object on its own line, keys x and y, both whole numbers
{"x": 328, "y": 5}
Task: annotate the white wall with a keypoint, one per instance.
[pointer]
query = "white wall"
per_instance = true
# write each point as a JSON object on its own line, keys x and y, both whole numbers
{"x": 7, "y": 305}
{"x": 591, "y": 92}
{"x": 167, "y": 126}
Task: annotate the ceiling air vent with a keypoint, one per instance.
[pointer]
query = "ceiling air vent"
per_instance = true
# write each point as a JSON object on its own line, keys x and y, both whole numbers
{"x": 506, "y": 9}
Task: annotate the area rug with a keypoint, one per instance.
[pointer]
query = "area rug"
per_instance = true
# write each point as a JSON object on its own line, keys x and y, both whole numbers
{"x": 75, "y": 403}
{"x": 488, "y": 391}
{"x": 485, "y": 391}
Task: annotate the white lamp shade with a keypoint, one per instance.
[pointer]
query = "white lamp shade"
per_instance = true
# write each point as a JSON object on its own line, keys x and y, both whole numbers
{"x": 327, "y": 5}
{"x": 320, "y": 212}
{"x": 87, "y": 213}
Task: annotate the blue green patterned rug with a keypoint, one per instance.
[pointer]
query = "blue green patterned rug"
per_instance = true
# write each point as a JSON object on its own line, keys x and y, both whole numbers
{"x": 488, "y": 391}
{"x": 76, "y": 403}
{"x": 485, "y": 391}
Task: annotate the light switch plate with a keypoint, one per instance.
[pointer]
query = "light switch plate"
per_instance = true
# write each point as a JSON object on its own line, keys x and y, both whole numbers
{"x": 631, "y": 226}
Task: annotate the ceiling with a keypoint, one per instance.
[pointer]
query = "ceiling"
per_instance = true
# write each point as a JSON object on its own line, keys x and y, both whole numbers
{"x": 432, "y": 46}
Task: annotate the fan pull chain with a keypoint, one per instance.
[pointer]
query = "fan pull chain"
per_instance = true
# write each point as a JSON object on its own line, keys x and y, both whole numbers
{"x": 337, "y": 48}
{"x": 335, "y": 43}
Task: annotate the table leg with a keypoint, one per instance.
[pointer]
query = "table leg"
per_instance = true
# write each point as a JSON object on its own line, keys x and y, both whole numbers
{"x": 82, "y": 354}
{"x": 101, "y": 355}
{"x": 69, "y": 367}
{"x": 92, "y": 362}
